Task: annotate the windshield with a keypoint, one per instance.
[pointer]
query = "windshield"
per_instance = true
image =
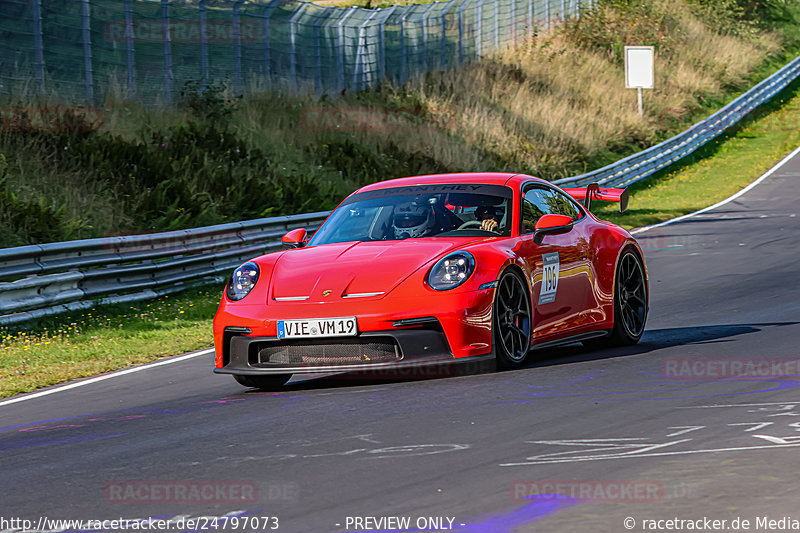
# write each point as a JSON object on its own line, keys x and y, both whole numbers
{"x": 447, "y": 210}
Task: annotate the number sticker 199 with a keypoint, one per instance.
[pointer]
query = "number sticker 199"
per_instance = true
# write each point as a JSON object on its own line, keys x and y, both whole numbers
{"x": 549, "y": 278}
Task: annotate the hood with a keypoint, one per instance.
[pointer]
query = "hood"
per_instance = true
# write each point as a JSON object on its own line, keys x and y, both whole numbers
{"x": 352, "y": 269}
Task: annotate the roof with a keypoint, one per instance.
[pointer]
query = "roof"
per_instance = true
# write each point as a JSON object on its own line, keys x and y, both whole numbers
{"x": 492, "y": 178}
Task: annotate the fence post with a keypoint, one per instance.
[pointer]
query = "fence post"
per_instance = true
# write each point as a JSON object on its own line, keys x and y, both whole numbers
{"x": 266, "y": 13}
{"x": 425, "y": 37}
{"x": 340, "y": 28}
{"x": 461, "y": 31}
{"x": 317, "y": 60}
{"x": 360, "y": 70}
{"x": 129, "y": 57}
{"x": 86, "y": 40}
{"x": 478, "y": 29}
{"x": 513, "y": 17}
{"x": 38, "y": 43}
{"x": 168, "y": 78}
{"x": 530, "y": 18}
{"x": 403, "y": 58}
{"x": 237, "y": 48}
{"x": 443, "y": 61}
{"x": 496, "y": 24}
{"x": 563, "y": 9}
{"x": 382, "y": 44}
{"x": 203, "y": 46}
{"x": 293, "y": 45}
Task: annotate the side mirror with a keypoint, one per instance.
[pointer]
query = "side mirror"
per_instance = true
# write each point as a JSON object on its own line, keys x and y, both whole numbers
{"x": 551, "y": 225}
{"x": 297, "y": 238}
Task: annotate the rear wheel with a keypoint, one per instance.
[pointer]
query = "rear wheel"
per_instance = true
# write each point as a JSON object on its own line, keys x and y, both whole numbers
{"x": 273, "y": 382}
{"x": 511, "y": 321}
{"x": 630, "y": 304}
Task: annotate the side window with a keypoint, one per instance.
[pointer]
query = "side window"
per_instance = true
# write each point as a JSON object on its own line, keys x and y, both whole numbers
{"x": 561, "y": 205}
{"x": 543, "y": 201}
{"x": 534, "y": 205}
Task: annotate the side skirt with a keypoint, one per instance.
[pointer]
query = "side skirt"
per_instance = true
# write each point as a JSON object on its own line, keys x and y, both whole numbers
{"x": 575, "y": 338}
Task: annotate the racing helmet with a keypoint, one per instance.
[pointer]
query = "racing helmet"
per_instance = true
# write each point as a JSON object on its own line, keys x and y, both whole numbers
{"x": 413, "y": 219}
{"x": 488, "y": 211}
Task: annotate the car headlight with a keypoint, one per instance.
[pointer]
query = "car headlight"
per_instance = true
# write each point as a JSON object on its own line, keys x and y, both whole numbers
{"x": 242, "y": 282}
{"x": 451, "y": 271}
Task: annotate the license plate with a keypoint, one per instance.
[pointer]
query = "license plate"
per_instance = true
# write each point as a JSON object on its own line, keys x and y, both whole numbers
{"x": 318, "y": 327}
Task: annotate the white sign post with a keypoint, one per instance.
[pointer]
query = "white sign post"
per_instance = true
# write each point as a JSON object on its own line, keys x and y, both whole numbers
{"x": 639, "y": 70}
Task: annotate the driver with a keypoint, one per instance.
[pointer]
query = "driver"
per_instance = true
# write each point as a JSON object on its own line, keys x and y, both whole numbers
{"x": 489, "y": 217}
{"x": 413, "y": 219}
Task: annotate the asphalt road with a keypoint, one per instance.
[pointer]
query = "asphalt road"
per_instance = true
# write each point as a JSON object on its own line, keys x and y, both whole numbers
{"x": 662, "y": 430}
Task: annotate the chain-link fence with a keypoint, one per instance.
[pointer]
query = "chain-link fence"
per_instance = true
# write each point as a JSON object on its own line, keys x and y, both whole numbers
{"x": 82, "y": 49}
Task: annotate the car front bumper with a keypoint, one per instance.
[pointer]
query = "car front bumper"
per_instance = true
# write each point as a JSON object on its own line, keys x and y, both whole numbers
{"x": 413, "y": 333}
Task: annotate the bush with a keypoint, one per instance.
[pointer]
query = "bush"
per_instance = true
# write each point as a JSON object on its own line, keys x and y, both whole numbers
{"x": 27, "y": 222}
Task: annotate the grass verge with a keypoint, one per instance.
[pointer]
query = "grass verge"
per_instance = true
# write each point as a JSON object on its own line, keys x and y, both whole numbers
{"x": 83, "y": 344}
{"x": 98, "y": 340}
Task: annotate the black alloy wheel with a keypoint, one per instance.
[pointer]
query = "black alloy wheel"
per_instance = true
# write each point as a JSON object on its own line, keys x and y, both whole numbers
{"x": 511, "y": 328}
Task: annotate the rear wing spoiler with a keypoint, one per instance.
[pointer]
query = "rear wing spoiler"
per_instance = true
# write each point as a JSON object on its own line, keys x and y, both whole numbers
{"x": 594, "y": 192}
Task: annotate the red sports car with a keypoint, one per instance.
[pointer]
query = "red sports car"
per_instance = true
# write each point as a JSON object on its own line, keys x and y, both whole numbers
{"x": 431, "y": 269}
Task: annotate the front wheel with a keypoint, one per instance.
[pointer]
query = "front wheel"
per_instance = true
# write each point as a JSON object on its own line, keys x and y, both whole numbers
{"x": 511, "y": 321}
{"x": 272, "y": 382}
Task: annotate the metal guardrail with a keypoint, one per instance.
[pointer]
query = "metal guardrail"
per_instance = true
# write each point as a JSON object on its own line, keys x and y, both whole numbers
{"x": 641, "y": 165}
{"x": 69, "y": 276}
{"x": 66, "y": 276}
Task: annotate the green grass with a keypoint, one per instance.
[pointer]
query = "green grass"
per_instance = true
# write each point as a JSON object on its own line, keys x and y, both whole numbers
{"x": 106, "y": 338}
